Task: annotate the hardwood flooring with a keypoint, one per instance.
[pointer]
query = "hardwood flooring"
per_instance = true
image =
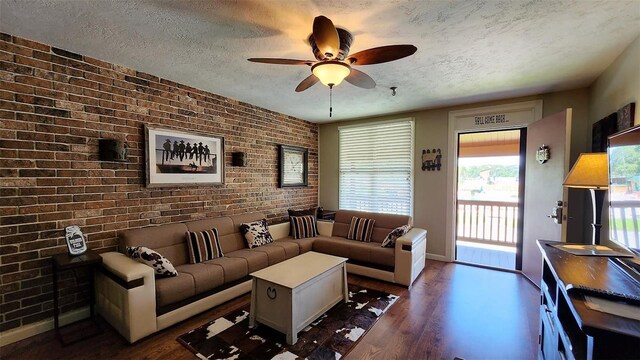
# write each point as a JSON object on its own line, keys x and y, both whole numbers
{"x": 452, "y": 310}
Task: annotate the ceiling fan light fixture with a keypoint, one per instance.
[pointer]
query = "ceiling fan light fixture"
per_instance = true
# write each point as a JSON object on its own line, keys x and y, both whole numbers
{"x": 331, "y": 73}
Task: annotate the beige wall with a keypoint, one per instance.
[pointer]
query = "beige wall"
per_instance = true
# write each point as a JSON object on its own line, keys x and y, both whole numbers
{"x": 432, "y": 132}
{"x": 618, "y": 85}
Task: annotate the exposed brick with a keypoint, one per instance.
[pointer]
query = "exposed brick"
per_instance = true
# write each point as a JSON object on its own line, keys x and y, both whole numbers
{"x": 55, "y": 105}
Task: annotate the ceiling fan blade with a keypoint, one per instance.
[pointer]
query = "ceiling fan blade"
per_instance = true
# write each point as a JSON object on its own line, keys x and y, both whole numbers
{"x": 382, "y": 54}
{"x": 281, "y": 61}
{"x": 307, "y": 83}
{"x": 326, "y": 36}
{"x": 360, "y": 79}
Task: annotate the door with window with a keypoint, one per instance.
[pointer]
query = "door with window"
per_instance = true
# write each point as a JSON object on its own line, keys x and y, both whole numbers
{"x": 489, "y": 198}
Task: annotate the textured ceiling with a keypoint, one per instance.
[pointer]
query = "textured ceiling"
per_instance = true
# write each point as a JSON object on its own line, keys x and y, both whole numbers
{"x": 468, "y": 51}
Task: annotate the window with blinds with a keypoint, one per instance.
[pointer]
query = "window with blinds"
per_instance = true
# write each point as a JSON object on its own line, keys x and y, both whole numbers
{"x": 376, "y": 167}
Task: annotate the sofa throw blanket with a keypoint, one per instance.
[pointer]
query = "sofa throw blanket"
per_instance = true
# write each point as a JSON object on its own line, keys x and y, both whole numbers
{"x": 361, "y": 229}
{"x": 304, "y": 226}
{"x": 203, "y": 245}
{"x": 256, "y": 233}
{"x": 160, "y": 264}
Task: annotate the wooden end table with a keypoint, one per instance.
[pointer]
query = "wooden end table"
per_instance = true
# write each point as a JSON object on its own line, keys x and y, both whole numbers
{"x": 64, "y": 262}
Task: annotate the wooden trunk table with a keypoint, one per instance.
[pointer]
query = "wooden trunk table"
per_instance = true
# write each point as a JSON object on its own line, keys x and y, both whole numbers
{"x": 290, "y": 295}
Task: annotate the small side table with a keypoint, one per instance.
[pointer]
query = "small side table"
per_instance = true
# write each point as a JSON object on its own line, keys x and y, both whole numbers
{"x": 327, "y": 215}
{"x": 64, "y": 262}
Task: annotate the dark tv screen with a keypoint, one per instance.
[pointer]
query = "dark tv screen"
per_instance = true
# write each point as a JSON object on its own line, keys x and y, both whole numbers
{"x": 624, "y": 188}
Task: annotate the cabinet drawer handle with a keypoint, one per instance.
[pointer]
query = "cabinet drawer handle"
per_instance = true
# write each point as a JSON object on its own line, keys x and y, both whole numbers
{"x": 271, "y": 293}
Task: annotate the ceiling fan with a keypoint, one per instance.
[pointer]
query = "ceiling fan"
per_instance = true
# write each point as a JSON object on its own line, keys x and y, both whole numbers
{"x": 330, "y": 47}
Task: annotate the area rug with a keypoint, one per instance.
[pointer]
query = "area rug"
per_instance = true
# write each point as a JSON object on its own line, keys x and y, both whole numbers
{"x": 331, "y": 336}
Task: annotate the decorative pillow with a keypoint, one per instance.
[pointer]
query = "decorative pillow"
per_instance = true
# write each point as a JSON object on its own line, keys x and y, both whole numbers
{"x": 256, "y": 233}
{"x": 313, "y": 212}
{"x": 304, "y": 226}
{"x": 361, "y": 229}
{"x": 160, "y": 264}
{"x": 390, "y": 240}
{"x": 203, "y": 245}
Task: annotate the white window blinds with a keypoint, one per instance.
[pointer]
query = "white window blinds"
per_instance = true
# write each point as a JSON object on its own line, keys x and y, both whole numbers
{"x": 376, "y": 167}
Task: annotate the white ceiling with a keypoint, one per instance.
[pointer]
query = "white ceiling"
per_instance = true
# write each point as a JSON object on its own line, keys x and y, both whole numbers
{"x": 468, "y": 51}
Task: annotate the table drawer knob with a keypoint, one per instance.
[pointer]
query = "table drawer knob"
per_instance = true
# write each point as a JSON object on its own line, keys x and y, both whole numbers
{"x": 271, "y": 293}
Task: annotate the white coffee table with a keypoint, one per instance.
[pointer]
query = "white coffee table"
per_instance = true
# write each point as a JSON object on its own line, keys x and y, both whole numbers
{"x": 291, "y": 294}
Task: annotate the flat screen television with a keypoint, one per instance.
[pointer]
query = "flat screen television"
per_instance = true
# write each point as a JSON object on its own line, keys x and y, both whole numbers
{"x": 624, "y": 196}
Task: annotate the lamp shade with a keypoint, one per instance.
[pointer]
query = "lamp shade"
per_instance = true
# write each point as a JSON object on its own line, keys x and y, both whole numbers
{"x": 591, "y": 171}
{"x": 331, "y": 73}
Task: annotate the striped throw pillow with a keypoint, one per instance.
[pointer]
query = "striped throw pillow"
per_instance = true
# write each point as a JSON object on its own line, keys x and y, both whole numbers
{"x": 203, "y": 245}
{"x": 303, "y": 226}
{"x": 361, "y": 229}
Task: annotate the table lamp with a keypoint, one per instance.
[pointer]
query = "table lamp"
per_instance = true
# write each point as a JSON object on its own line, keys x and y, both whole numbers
{"x": 591, "y": 171}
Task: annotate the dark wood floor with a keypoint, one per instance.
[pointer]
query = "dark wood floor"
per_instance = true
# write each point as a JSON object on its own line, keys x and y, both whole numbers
{"x": 453, "y": 310}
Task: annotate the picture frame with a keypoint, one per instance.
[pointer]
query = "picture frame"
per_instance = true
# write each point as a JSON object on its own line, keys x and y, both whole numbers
{"x": 180, "y": 158}
{"x": 293, "y": 166}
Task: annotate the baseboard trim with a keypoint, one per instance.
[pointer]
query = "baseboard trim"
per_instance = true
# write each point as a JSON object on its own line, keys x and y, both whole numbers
{"x": 27, "y": 331}
{"x": 437, "y": 257}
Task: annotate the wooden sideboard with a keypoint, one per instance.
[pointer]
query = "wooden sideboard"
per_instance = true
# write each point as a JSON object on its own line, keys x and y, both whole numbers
{"x": 571, "y": 330}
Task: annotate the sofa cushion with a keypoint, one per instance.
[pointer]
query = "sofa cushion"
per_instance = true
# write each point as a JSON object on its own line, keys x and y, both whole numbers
{"x": 275, "y": 253}
{"x": 228, "y": 234}
{"x": 303, "y": 226}
{"x": 332, "y": 246}
{"x": 384, "y": 223}
{"x": 232, "y": 268}
{"x": 203, "y": 245}
{"x": 205, "y": 277}
{"x": 256, "y": 233}
{"x": 361, "y": 229}
{"x": 303, "y": 245}
{"x": 160, "y": 264}
{"x": 167, "y": 239}
{"x": 291, "y": 249}
{"x": 390, "y": 240}
{"x": 370, "y": 253}
{"x": 256, "y": 260}
{"x": 173, "y": 289}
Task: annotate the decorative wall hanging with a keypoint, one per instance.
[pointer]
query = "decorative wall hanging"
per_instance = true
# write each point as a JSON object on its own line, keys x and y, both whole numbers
{"x": 431, "y": 159}
{"x": 626, "y": 116}
{"x": 543, "y": 154}
{"x": 293, "y": 166}
{"x": 176, "y": 158}
{"x": 75, "y": 240}
{"x": 113, "y": 150}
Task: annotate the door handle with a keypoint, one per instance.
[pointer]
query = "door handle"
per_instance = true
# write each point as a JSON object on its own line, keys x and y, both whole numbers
{"x": 556, "y": 213}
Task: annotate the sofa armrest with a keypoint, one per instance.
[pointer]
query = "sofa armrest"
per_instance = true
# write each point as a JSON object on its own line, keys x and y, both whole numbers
{"x": 410, "y": 253}
{"x": 325, "y": 227}
{"x": 126, "y": 295}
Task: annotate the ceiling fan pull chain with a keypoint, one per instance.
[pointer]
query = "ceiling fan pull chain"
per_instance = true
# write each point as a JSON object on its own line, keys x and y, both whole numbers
{"x": 330, "y": 99}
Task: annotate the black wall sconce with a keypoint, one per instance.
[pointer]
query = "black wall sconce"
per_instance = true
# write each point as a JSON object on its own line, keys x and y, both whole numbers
{"x": 239, "y": 159}
{"x": 113, "y": 150}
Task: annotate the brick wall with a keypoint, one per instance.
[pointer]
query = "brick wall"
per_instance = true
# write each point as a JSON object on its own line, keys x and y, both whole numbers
{"x": 55, "y": 105}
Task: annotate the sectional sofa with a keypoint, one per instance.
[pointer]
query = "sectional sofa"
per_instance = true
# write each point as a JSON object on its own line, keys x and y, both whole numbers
{"x": 137, "y": 303}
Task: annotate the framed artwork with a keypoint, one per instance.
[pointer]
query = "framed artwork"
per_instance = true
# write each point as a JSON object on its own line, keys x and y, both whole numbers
{"x": 293, "y": 166}
{"x": 600, "y": 131}
{"x": 177, "y": 158}
{"x": 625, "y": 116}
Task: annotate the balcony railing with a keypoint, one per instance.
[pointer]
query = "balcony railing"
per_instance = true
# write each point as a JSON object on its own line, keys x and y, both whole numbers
{"x": 488, "y": 222}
